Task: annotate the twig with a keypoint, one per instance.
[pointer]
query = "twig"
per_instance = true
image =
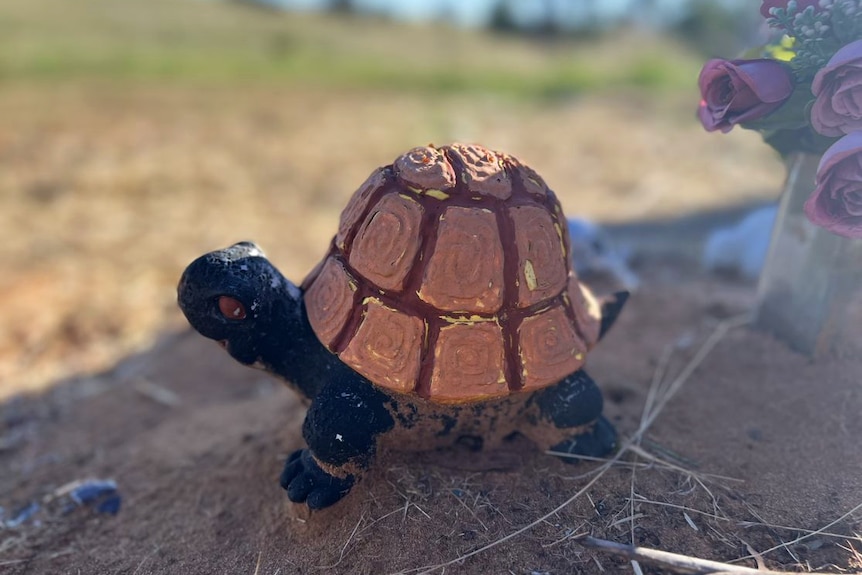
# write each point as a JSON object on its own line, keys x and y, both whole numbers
{"x": 422, "y": 511}
{"x": 346, "y": 544}
{"x": 145, "y": 559}
{"x": 758, "y": 558}
{"x": 820, "y": 532}
{"x": 673, "y": 561}
{"x": 257, "y": 565}
{"x": 157, "y": 393}
{"x": 657, "y": 380}
{"x": 683, "y": 508}
{"x": 382, "y": 517}
{"x": 470, "y": 511}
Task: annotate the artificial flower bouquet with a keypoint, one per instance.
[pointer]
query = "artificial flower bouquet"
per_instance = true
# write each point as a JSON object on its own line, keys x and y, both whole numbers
{"x": 803, "y": 92}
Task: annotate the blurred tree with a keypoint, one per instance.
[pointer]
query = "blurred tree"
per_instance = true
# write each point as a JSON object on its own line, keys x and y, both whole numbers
{"x": 503, "y": 17}
{"x": 342, "y": 6}
{"x": 549, "y": 24}
{"x": 716, "y": 27}
{"x": 258, "y": 5}
{"x": 642, "y": 14}
{"x": 548, "y": 19}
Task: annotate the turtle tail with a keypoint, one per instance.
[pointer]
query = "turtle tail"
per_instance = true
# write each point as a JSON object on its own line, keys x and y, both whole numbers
{"x": 612, "y": 305}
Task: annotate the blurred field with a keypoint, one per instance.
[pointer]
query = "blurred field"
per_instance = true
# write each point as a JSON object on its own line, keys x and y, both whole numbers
{"x": 107, "y": 195}
{"x": 134, "y": 136}
{"x": 228, "y": 43}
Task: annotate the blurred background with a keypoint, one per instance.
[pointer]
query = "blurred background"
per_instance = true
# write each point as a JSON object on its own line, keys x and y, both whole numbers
{"x": 136, "y": 135}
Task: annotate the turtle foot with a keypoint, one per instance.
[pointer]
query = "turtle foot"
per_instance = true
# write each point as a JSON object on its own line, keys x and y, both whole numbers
{"x": 305, "y": 481}
{"x": 599, "y": 441}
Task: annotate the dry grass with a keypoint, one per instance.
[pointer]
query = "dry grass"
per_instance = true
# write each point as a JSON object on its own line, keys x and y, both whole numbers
{"x": 106, "y": 195}
{"x": 661, "y": 394}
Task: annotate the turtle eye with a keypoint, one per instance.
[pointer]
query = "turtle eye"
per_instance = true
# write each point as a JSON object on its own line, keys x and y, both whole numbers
{"x": 231, "y": 308}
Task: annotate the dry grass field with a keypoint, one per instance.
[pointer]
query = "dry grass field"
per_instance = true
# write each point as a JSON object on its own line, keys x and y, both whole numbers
{"x": 134, "y": 139}
{"x": 107, "y": 194}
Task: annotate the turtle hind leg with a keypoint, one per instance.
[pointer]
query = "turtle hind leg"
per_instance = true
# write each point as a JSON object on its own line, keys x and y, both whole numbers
{"x": 342, "y": 428}
{"x": 567, "y": 418}
{"x": 598, "y": 440}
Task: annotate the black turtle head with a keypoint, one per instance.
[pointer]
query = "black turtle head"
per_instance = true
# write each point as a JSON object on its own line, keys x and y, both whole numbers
{"x": 235, "y": 296}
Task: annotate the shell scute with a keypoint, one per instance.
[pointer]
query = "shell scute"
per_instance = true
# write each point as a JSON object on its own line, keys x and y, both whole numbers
{"x": 386, "y": 244}
{"x": 329, "y": 301}
{"x": 465, "y": 271}
{"x": 483, "y": 170}
{"x": 357, "y": 205}
{"x": 469, "y": 362}
{"x": 542, "y": 267}
{"x": 425, "y": 168}
{"x": 386, "y": 347}
{"x": 550, "y": 349}
{"x": 532, "y": 182}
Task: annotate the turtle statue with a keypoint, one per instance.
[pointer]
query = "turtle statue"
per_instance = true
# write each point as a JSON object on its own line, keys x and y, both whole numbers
{"x": 445, "y": 308}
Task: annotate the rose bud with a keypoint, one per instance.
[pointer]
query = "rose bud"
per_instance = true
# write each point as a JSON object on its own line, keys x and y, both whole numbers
{"x": 837, "y": 88}
{"x": 836, "y": 203}
{"x": 737, "y": 91}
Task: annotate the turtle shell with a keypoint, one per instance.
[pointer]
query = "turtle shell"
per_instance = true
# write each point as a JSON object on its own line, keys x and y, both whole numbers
{"x": 450, "y": 277}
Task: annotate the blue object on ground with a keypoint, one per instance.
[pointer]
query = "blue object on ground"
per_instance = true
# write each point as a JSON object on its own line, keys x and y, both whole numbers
{"x": 101, "y": 494}
{"x": 22, "y": 515}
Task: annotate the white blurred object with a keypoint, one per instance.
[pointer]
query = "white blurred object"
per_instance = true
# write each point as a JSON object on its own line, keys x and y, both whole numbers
{"x": 742, "y": 247}
{"x": 594, "y": 253}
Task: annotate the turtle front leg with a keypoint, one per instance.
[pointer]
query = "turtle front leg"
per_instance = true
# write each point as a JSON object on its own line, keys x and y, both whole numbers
{"x": 567, "y": 418}
{"x": 342, "y": 428}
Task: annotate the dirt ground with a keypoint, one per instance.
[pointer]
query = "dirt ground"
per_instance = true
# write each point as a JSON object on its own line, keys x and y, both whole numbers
{"x": 106, "y": 196}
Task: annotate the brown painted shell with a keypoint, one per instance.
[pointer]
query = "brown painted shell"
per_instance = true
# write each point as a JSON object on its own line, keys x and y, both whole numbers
{"x": 450, "y": 277}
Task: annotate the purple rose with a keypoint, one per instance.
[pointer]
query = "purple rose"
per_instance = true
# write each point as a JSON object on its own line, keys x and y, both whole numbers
{"x": 836, "y": 203}
{"x": 738, "y": 91}
{"x": 801, "y": 5}
{"x": 837, "y": 87}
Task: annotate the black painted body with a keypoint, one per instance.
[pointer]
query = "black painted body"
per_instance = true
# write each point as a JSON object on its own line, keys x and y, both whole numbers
{"x": 349, "y": 417}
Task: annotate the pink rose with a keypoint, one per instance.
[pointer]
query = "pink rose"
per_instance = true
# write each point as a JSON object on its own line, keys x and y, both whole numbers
{"x": 801, "y": 5}
{"x": 738, "y": 91}
{"x": 837, "y": 87}
{"x": 836, "y": 203}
